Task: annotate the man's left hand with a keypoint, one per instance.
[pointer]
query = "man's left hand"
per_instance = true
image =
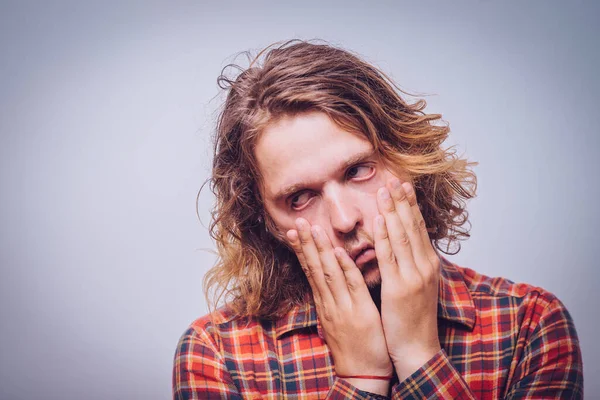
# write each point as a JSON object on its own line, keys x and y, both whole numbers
{"x": 409, "y": 268}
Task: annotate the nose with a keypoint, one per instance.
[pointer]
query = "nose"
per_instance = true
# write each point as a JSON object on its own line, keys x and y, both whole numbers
{"x": 344, "y": 213}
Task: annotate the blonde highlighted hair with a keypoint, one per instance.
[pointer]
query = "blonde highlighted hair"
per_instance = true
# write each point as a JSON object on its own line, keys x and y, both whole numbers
{"x": 258, "y": 275}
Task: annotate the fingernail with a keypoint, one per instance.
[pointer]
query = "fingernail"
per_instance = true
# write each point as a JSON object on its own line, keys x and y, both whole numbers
{"x": 384, "y": 193}
{"x": 406, "y": 186}
{"x": 338, "y": 252}
{"x": 314, "y": 232}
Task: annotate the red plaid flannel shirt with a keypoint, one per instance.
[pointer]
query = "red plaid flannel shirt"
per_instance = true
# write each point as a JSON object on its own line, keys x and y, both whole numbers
{"x": 499, "y": 340}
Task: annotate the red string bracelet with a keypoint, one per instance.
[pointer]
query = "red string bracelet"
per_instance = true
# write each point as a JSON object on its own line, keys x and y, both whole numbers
{"x": 381, "y": 378}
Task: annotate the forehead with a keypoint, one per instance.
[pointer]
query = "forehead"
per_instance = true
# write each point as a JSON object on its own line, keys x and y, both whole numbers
{"x": 306, "y": 148}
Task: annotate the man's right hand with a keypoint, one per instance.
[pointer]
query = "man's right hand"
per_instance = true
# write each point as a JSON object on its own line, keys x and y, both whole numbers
{"x": 349, "y": 318}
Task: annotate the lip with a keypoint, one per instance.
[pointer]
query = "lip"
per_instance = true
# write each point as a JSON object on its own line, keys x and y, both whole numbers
{"x": 365, "y": 256}
{"x": 362, "y": 253}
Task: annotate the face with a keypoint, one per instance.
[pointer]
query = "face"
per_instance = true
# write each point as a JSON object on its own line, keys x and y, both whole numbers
{"x": 312, "y": 168}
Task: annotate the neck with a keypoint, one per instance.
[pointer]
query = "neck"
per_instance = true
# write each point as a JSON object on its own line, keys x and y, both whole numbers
{"x": 376, "y": 296}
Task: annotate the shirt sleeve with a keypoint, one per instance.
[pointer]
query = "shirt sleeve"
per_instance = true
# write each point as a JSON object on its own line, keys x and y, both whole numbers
{"x": 343, "y": 390}
{"x": 549, "y": 365}
{"x": 437, "y": 379}
{"x": 199, "y": 372}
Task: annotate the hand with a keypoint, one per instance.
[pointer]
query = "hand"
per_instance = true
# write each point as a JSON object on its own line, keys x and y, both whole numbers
{"x": 350, "y": 320}
{"x": 409, "y": 268}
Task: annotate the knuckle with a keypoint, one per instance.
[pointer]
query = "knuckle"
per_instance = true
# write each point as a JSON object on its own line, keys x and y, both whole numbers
{"x": 403, "y": 238}
{"x": 412, "y": 198}
{"x": 414, "y": 226}
{"x": 307, "y": 271}
{"x": 296, "y": 247}
{"x": 418, "y": 283}
{"x": 327, "y": 314}
{"x": 353, "y": 280}
{"x": 304, "y": 239}
{"x": 422, "y": 226}
{"x": 436, "y": 265}
{"x": 302, "y": 262}
{"x": 383, "y": 234}
{"x": 344, "y": 266}
{"x": 428, "y": 277}
{"x": 389, "y": 205}
{"x": 329, "y": 278}
{"x": 401, "y": 195}
{"x": 352, "y": 285}
{"x": 390, "y": 258}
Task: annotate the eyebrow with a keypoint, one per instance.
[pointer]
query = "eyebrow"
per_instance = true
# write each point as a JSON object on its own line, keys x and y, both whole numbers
{"x": 355, "y": 159}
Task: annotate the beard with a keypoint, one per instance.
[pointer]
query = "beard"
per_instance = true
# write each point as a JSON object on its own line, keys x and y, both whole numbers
{"x": 369, "y": 270}
{"x": 371, "y": 274}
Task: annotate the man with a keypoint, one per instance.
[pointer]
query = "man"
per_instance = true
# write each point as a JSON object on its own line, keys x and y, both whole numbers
{"x": 334, "y": 199}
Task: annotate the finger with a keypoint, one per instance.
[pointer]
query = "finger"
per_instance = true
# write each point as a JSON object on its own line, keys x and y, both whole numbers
{"x": 410, "y": 223}
{"x": 383, "y": 249}
{"x": 294, "y": 240}
{"x": 332, "y": 272}
{"x": 412, "y": 200}
{"x": 397, "y": 235}
{"x": 313, "y": 261}
{"x": 425, "y": 256}
{"x": 357, "y": 288}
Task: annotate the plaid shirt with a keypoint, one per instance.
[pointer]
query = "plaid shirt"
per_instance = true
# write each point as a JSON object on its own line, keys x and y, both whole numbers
{"x": 499, "y": 340}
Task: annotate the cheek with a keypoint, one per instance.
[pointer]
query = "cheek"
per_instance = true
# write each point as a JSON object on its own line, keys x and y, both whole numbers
{"x": 284, "y": 221}
{"x": 281, "y": 220}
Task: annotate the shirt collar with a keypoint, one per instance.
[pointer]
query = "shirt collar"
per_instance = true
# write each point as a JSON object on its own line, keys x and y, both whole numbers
{"x": 454, "y": 304}
{"x": 302, "y": 316}
{"x": 454, "y": 300}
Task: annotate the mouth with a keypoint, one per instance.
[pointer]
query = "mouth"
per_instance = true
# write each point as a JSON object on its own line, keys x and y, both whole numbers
{"x": 362, "y": 254}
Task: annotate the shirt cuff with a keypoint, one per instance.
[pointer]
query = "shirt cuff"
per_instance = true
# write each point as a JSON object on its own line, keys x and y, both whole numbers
{"x": 437, "y": 379}
{"x": 343, "y": 390}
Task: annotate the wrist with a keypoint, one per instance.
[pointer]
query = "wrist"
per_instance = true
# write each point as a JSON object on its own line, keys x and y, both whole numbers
{"x": 409, "y": 363}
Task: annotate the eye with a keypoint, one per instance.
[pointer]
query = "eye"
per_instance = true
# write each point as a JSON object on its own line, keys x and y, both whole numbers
{"x": 360, "y": 172}
{"x": 300, "y": 200}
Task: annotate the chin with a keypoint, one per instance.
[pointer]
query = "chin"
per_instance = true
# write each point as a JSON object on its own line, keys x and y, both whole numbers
{"x": 371, "y": 275}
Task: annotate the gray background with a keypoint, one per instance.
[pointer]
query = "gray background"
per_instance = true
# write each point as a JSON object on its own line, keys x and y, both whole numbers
{"x": 106, "y": 112}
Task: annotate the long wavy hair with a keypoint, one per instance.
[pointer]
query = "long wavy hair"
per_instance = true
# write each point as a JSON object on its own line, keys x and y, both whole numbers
{"x": 258, "y": 275}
